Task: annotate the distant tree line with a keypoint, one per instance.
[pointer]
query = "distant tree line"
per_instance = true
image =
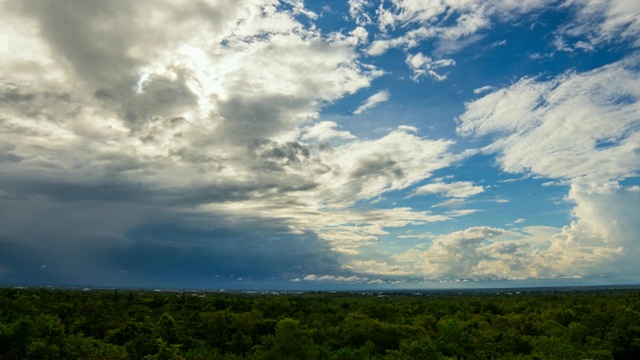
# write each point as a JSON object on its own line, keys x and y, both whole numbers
{"x": 61, "y": 324}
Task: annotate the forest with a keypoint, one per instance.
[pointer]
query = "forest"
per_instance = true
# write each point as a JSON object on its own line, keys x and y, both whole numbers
{"x": 133, "y": 324}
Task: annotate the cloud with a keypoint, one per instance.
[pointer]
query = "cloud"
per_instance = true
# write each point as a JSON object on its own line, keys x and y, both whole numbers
{"x": 200, "y": 116}
{"x": 459, "y": 189}
{"x": 484, "y": 253}
{"x": 453, "y": 24}
{"x": 357, "y": 11}
{"x": 565, "y": 127}
{"x": 325, "y": 130}
{"x": 425, "y": 66}
{"x": 193, "y": 132}
{"x": 350, "y": 279}
{"x": 393, "y": 162}
{"x": 345, "y": 230}
{"x": 451, "y": 203}
{"x": 483, "y": 89}
{"x": 580, "y": 129}
{"x": 360, "y": 35}
{"x": 373, "y": 101}
{"x": 186, "y": 106}
{"x": 140, "y": 119}
{"x": 452, "y": 256}
{"x": 599, "y": 22}
{"x": 92, "y": 242}
{"x": 456, "y": 25}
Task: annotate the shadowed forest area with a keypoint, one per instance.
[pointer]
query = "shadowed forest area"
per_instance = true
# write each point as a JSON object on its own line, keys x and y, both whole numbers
{"x": 124, "y": 324}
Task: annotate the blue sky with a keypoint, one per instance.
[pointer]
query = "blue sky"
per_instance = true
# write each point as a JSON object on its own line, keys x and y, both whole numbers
{"x": 319, "y": 145}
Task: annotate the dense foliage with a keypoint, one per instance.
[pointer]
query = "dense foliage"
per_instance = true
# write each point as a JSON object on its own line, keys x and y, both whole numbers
{"x": 56, "y": 324}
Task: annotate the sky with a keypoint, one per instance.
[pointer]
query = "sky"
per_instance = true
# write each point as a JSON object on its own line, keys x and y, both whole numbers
{"x": 267, "y": 144}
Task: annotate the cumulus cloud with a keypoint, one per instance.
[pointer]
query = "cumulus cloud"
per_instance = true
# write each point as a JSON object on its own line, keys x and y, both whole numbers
{"x": 484, "y": 253}
{"x": 451, "y": 256}
{"x": 373, "y": 101}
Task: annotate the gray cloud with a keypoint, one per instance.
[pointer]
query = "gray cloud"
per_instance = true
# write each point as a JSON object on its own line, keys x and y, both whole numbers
{"x": 88, "y": 37}
{"x": 247, "y": 120}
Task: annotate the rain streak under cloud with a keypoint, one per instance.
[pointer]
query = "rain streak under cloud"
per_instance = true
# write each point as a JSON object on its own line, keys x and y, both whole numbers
{"x": 290, "y": 144}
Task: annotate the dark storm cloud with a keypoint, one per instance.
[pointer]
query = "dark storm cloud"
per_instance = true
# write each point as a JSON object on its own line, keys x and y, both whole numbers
{"x": 129, "y": 192}
{"x": 109, "y": 229}
{"x": 171, "y": 254}
{"x": 101, "y": 244}
{"x": 22, "y": 264}
{"x": 67, "y": 192}
{"x": 5, "y": 151}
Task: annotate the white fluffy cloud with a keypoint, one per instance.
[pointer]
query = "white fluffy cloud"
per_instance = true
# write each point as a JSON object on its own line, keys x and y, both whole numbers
{"x": 483, "y": 253}
{"x": 452, "y": 256}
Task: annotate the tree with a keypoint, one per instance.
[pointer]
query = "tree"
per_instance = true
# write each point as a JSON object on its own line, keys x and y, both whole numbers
{"x": 167, "y": 329}
{"x": 452, "y": 338}
{"x": 291, "y": 342}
